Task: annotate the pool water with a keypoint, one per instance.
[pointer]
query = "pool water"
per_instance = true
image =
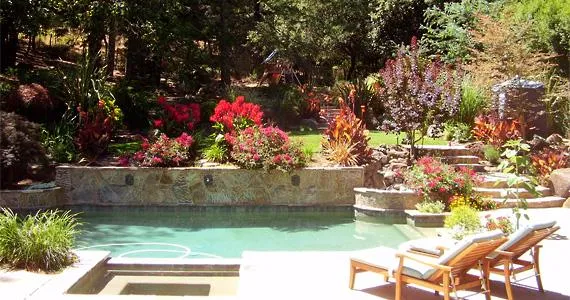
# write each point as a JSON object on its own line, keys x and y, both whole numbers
{"x": 227, "y": 233}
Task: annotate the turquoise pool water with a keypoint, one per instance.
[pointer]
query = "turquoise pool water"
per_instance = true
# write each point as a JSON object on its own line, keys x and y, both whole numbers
{"x": 227, "y": 233}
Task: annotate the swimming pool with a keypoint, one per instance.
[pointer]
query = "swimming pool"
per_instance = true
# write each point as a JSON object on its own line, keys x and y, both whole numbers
{"x": 225, "y": 232}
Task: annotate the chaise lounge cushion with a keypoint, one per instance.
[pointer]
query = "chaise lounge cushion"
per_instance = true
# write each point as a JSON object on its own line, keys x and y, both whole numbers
{"x": 521, "y": 234}
{"x": 425, "y": 272}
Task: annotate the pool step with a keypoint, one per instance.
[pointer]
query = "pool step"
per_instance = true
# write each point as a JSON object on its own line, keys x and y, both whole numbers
{"x": 541, "y": 202}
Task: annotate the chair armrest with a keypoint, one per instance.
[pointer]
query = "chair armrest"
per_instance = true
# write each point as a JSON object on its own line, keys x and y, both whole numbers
{"x": 421, "y": 260}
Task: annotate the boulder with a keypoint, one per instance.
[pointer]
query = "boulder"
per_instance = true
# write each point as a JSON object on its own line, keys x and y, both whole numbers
{"x": 561, "y": 182}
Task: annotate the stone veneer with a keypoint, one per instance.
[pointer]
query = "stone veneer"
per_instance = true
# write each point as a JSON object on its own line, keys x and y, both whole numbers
{"x": 207, "y": 186}
{"x": 31, "y": 199}
{"x": 386, "y": 199}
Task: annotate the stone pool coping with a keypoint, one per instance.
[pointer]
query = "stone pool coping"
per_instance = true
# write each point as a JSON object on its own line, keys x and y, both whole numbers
{"x": 21, "y": 284}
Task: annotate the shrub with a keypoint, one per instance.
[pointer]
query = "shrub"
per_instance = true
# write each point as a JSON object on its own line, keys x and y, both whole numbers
{"x": 502, "y": 223}
{"x": 231, "y": 117}
{"x": 346, "y": 140}
{"x": 473, "y": 102}
{"x": 174, "y": 119}
{"x": 447, "y": 28}
{"x": 438, "y": 181}
{"x": 216, "y": 152}
{"x": 494, "y": 131}
{"x": 32, "y": 101}
{"x": 550, "y": 159}
{"x": 165, "y": 152}
{"x": 135, "y": 104}
{"x": 38, "y": 242}
{"x": 475, "y": 201}
{"x": 463, "y": 220}
{"x": 491, "y": 154}
{"x": 358, "y": 94}
{"x": 268, "y": 148}
{"x": 459, "y": 132}
{"x": 550, "y": 30}
{"x": 417, "y": 94}
{"x": 58, "y": 142}
{"x": 96, "y": 127}
{"x": 431, "y": 207}
{"x": 20, "y": 148}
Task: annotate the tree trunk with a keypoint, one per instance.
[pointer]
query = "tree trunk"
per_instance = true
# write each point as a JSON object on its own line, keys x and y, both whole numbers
{"x": 8, "y": 45}
{"x": 111, "y": 46}
{"x": 257, "y": 10}
{"x": 224, "y": 44}
{"x": 352, "y": 68}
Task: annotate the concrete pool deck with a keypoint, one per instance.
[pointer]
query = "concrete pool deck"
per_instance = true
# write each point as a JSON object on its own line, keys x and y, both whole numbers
{"x": 324, "y": 275}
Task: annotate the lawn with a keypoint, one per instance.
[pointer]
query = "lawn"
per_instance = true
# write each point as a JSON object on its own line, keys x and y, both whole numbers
{"x": 312, "y": 140}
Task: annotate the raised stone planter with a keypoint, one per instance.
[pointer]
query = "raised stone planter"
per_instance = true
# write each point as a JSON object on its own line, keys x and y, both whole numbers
{"x": 386, "y": 199}
{"x": 125, "y": 186}
{"x": 419, "y": 219}
{"x": 383, "y": 206}
{"x": 31, "y": 199}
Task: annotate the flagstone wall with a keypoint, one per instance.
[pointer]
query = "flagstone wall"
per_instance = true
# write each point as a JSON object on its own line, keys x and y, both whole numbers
{"x": 207, "y": 186}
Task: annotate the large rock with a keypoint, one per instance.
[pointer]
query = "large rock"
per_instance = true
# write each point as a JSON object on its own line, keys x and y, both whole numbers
{"x": 561, "y": 182}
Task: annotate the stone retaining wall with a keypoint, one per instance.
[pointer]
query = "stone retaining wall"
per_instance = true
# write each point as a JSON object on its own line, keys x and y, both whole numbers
{"x": 31, "y": 199}
{"x": 207, "y": 186}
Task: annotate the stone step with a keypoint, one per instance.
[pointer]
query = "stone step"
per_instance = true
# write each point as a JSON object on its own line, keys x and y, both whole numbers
{"x": 474, "y": 167}
{"x": 441, "y": 150}
{"x": 542, "y": 202}
{"x": 511, "y": 192}
{"x": 460, "y": 159}
{"x": 498, "y": 180}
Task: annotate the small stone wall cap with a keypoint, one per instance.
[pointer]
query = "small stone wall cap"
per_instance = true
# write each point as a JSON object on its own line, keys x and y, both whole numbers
{"x": 517, "y": 82}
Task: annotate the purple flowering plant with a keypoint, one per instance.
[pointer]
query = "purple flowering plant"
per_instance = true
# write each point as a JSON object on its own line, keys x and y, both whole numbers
{"x": 418, "y": 93}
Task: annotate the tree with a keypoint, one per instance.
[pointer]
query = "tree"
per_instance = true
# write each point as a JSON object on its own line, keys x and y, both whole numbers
{"x": 417, "y": 94}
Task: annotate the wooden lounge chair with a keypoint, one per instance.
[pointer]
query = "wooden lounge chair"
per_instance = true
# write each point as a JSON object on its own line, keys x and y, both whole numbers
{"x": 444, "y": 274}
{"x": 506, "y": 260}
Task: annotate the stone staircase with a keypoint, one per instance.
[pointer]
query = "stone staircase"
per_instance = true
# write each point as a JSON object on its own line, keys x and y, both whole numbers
{"x": 496, "y": 187}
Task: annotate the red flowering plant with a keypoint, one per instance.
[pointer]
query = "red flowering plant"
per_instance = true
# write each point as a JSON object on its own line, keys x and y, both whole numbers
{"x": 230, "y": 118}
{"x": 96, "y": 126}
{"x": 269, "y": 148}
{"x": 235, "y": 116}
{"x": 164, "y": 152}
{"x": 437, "y": 181}
{"x": 174, "y": 119}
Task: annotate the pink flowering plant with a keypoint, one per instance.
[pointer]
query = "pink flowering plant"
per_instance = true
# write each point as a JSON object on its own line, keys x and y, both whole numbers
{"x": 266, "y": 148}
{"x": 174, "y": 119}
{"x": 503, "y": 223}
{"x": 164, "y": 152}
{"x": 437, "y": 181}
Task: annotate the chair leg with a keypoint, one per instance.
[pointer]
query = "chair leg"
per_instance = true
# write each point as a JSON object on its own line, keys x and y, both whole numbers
{"x": 446, "y": 286}
{"x": 537, "y": 269}
{"x": 352, "y": 275}
{"x": 486, "y": 273}
{"x": 399, "y": 286}
{"x": 507, "y": 273}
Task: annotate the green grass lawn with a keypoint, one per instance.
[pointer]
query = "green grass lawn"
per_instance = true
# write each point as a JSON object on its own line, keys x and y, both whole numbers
{"x": 312, "y": 140}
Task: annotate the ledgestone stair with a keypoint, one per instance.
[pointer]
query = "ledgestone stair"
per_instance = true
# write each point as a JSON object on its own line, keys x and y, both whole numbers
{"x": 496, "y": 187}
